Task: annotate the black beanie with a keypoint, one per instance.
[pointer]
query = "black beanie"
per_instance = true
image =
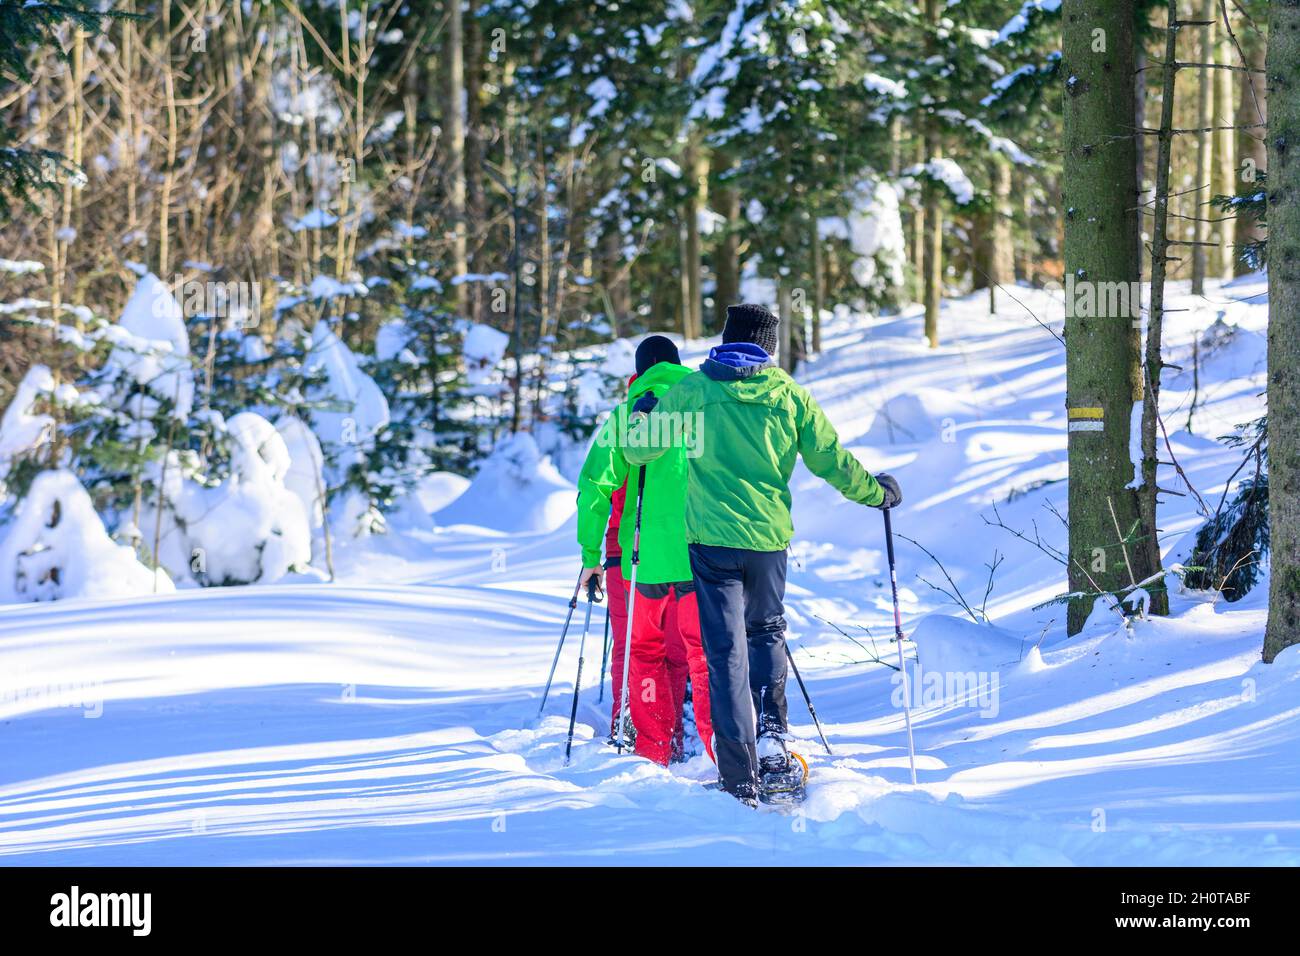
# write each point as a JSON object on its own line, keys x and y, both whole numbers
{"x": 751, "y": 323}
{"x": 653, "y": 350}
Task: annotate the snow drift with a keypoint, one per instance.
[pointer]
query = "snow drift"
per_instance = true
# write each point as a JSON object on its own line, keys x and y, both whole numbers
{"x": 517, "y": 489}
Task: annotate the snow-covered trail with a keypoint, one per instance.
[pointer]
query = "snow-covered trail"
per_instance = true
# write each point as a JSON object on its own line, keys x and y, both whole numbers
{"x": 391, "y": 718}
{"x": 397, "y": 725}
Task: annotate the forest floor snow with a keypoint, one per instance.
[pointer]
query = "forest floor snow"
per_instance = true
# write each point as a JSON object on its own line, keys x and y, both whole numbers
{"x": 391, "y": 717}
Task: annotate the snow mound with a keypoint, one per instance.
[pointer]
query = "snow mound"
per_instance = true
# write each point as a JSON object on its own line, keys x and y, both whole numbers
{"x": 517, "y": 489}
{"x": 918, "y": 416}
{"x": 439, "y": 489}
{"x": 57, "y": 549}
{"x": 1229, "y": 352}
{"x": 951, "y": 645}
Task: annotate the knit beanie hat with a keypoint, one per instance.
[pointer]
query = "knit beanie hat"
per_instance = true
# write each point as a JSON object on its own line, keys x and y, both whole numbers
{"x": 751, "y": 323}
{"x": 653, "y": 350}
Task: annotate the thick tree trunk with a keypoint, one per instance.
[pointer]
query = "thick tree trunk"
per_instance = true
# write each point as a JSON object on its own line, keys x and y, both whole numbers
{"x": 785, "y": 312}
{"x": 726, "y": 259}
{"x": 1002, "y": 253}
{"x": 1103, "y": 375}
{"x": 981, "y": 252}
{"x": 1283, "y": 66}
{"x": 1252, "y": 110}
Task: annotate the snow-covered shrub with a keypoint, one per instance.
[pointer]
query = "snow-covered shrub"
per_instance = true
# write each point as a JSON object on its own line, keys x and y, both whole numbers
{"x": 149, "y": 367}
{"x": 484, "y": 348}
{"x": 348, "y": 413}
{"x": 305, "y": 476}
{"x": 24, "y": 431}
{"x": 56, "y": 548}
{"x": 433, "y": 426}
{"x": 248, "y": 528}
{"x": 873, "y": 230}
{"x": 1232, "y": 546}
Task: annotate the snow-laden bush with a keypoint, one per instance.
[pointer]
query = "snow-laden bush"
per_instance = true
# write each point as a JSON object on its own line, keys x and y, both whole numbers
{"x": 249, "y": 528}
{"x": 305, "y": 476}
{"x": 56, "y": 548}
{"x": 874, "y": 232}
{"x": 150, "y": 361}
{"x": 484, "y": 348}
{"x": 355, "y": 409}
{"x": 23, "y": 430}
{"x": 349, "y": 413}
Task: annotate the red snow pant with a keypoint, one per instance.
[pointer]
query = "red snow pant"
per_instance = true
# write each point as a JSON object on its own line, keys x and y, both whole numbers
{"x": 674, "y": 647}
{"x": 666, "y": 625}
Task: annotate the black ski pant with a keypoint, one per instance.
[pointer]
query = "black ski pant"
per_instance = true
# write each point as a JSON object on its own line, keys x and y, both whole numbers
{"x": 741, "y": 597}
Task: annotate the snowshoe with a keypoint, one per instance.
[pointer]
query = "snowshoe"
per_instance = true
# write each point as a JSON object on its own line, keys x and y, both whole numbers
{"x": 629, "y": 736}
{"x": 786, "y": 785}
{"x": 771, "y": 750}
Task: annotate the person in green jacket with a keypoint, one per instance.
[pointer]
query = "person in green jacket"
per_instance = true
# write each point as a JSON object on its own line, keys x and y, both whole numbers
{"x": 742, "y": 422}
{"x": 665, "y": 622}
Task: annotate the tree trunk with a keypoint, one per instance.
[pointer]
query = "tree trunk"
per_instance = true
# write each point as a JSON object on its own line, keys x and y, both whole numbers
{"x": 1283, "y": 66}
{"x": 453, "y": 128}
{"x": 818, "y": 289}
{"x": 475, "y": 147}
{"x": 697, "y": 184}
{"x": 1252, "y": 110}
{"x": 618, "y": 301}
{"x": 785, "y": 312}
{"x": 1225, "y": 159}
{"x": 1140, "y": 121}
{"x": 1103, "y": 376}
{"x": 1203, "y": 185}
{"x": 1147, "y": 548}
{"x": 932, "y": 228}
{"x": 1003, "y": 260}
{"x": 726, "y": 258}
{"x": 981, "y": 250}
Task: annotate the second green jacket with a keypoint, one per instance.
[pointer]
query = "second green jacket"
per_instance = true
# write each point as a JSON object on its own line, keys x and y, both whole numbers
{"x": 743, "y": 436}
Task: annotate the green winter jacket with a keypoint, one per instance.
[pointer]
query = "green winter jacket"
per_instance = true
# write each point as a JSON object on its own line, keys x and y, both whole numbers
{"x": 742, "y": 429}
{"x": 663, "y": 555}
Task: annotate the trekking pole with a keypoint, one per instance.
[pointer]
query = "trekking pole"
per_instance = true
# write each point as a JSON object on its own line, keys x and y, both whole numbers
{"x": 631, "y": 606}
{"x": 604, "y": 660}
{"x": 573, "y": 603}
{"x": 593, "y": 595}
{"x": 898, "y": 639}
{"x": 807, "y": 700}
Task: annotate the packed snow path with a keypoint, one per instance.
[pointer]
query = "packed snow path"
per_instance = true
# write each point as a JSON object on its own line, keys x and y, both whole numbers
{"x": 391, "y": 718}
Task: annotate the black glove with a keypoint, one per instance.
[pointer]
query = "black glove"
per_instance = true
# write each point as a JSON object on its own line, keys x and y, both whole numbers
{"x": 645, "y": 404}
{"x": 893, "y": 493}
